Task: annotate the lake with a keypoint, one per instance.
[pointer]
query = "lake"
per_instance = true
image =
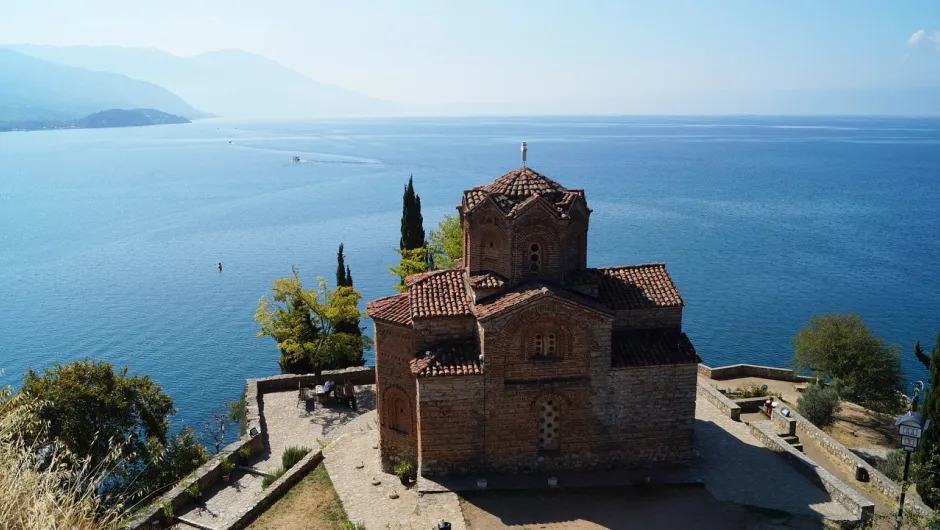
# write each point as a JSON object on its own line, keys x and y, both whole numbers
{"x": 109, "y": 239}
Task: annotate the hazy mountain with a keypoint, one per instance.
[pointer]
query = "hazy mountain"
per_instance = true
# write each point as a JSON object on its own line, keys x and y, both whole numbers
{"x": 229, "y": 83}
{"x": 33, "y": 89}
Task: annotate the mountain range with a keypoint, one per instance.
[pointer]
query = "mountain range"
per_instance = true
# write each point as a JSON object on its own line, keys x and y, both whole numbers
{"x": 229, "y": 83}
{"x": 34, "y": 90}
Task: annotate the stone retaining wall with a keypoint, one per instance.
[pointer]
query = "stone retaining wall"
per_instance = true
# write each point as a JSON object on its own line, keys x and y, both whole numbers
{"x": 849, "y": 461}
{"x": 720, "y": 401}
{"x": 857, "y": 504}
{"x": 276, "y": 490}
{"x": 750, "y": 404}
{"x": 752, "y": 370}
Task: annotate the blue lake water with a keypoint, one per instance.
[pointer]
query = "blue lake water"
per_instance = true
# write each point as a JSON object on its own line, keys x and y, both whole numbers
{"x": 109, "y": 239}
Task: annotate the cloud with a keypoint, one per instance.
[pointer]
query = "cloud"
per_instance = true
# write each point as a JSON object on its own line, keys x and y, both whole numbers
{"x": 935, "y": 38}
{"x": 916, "y": 37}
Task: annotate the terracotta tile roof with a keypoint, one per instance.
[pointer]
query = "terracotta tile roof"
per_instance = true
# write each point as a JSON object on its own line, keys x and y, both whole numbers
{"x": 455, "y": 358}
{"x": 644, "y": 286}
{"x": 438, "y": 294}
{"x": 523, "y": 182}
{"x": 651, "y": 347}
{"x": 523, "y": 293}
{"x": 394, "y": 309}
{"x": 516, "y": 189}
{"x": 486, "y": 280}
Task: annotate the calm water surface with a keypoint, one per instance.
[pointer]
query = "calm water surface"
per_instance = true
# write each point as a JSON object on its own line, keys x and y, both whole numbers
{"x": 109, "y": 239}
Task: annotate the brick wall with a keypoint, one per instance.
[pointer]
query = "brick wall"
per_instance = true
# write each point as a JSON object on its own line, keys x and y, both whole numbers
{"x": 431, "y": 331}
{"x": 394, "y": 347}
{"x": 451, "y": 419}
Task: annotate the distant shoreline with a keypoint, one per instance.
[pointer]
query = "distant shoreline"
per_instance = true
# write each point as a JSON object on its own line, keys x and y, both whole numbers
{"x": 107, "y": 119}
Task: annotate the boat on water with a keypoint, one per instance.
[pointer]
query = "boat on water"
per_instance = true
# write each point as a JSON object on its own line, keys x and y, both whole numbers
{"x": 296, "y": 159}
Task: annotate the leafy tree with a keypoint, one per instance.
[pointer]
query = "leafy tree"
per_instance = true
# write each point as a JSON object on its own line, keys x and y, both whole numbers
{"x": 238, "y": 412}
{"x": 411, "y": 262}
{"x": 446, "y": 242}
{"x": 819, "y": 404}
{"x": 928, "y": 453}
{"x": 88, "y": 408}
{"x": 91, "y": 410}
{"x": 412, "y": 223}
{"x": 304, "y": 322}
{"x": 863, "y": 367}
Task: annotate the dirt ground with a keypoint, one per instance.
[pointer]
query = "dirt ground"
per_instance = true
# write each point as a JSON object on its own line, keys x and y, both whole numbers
{"x": 860, "y": 428}
{"x": 648, "y": 508}
{"x": 312, "y": 504}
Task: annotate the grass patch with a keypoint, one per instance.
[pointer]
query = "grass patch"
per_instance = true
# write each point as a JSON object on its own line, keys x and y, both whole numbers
{"x": 269, "y": 479}
{"x": 311, "y": 503}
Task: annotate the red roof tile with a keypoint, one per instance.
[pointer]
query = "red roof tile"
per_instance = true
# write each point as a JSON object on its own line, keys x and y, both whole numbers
{"x": 457, "y": 358}
{"x": 523, "y": 182}
{"x": 438, "y": 294}
{"x": 645, "y": 286}
{"x": 651, "y": 347}
{"x": 486, "y": 280}
{"x": 523, "y": 293}
{"x": 393, "y": 309}
{"x": 514, "y": 190}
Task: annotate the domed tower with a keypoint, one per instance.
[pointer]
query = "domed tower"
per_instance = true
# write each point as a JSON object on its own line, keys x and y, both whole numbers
{"x": 524, "y": 225}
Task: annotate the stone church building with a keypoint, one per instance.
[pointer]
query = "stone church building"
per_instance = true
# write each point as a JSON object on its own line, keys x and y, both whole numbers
{"x": 523, "y": 358}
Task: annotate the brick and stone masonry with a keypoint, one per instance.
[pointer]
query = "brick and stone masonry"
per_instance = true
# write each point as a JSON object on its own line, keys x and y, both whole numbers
{"x": 523, "y": 359}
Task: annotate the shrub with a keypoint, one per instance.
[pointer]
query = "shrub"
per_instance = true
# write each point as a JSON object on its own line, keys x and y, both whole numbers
{"x": 167, "y": 509}
{"x": 403, "y": 469}
{"x": 269, "y": 479}
{"x": 193, "y": 490}
{"x": 245, "y": 452}
{"x": 227, "y": 466}
{"x": 292, "y": 455}
{"x": 750, "y": 391}
{"x": 349, "y": 525}
{"x": 819, "y": 404}
{"x": 893, "y": 466}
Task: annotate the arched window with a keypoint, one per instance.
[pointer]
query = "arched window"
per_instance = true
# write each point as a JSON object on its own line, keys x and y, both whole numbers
{"x": 535, "y": 258}
{"x": 550, "y": 345}
{"x": 549, "y": 419}
{"x": 544, "y": 345}
{"x": 539, "y": 344}
{"x": 397, "y": 414}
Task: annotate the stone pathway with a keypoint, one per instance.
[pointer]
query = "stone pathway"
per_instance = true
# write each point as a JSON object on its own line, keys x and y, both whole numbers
{"x": 370, "y": 504}
{"x": 736, "y": 467}
{"x": 286, "y": 423}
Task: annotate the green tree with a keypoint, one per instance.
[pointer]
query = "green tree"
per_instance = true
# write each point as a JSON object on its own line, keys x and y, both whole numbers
{"x": 864, "y": 369}
{"x": 412, "y": 261}
{"x": 412, "y": 223}
{"x": 341, "y": 267}
{"x": 344, "y": 279}
{"x": 819, "y": 404}
{"x": 921, "y": 356}
{"x": 446, "y": 242}
{"x": 304, "y": 324}
{"x": 928, "y": 453}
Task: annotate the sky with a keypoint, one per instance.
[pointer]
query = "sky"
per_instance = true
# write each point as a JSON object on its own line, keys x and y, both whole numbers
{"x": 434, "y": 52}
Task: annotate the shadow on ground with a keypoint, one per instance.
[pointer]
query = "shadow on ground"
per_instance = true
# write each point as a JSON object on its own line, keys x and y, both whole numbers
{"x": 649, "y": 507}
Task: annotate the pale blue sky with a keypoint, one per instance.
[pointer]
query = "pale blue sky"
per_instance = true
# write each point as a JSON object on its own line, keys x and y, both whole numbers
{"x": 438, "y": 51}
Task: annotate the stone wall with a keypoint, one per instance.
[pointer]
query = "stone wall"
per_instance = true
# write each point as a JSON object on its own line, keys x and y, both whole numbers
{"x": 809, "y": 433}
{"x": 359, "y": 375}
{"x": 727, "y": 407}
{"x": 752, "y": 370}
{"x": 857, "y": 504}
{"x": 451, "y": 437}
{"x": 275, "y": 491}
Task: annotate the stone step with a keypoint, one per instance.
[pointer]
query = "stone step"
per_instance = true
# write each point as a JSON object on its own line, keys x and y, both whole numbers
{"x": 791, "y": 439}
{"x": 799, "y": 447}
{"x": 184, "y": 523}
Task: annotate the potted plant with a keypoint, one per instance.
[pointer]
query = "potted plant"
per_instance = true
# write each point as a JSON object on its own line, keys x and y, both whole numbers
{"x": 245, "y": 453}
{"x": 193, "y": 490}
{"x": 227, "y": 467}
{"x": 403, "y": 471}
{"x": 168, "y": 512}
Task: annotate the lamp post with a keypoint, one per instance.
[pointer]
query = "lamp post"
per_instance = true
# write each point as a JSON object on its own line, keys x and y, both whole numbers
{"x": 911, "y": 427}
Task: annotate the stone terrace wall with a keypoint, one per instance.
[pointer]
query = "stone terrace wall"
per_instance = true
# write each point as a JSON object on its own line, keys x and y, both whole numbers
{"x": 857, "y": 504}
{"x": 752, "y": 370}
{"x": 276, "y": 490}
{"x": 720, "y": 401}
{"x": 849, "y": 461}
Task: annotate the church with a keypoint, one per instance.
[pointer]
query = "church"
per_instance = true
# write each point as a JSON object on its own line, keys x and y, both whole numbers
{"x": 523, "y": 359}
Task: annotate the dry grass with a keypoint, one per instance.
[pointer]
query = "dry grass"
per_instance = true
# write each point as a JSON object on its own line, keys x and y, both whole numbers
{"x": 858, "y": 428}
{"x": 48, "y": 494}
{"x": 312, "y": 504}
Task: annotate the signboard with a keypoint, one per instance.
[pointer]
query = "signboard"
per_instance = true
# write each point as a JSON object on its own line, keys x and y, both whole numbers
{"x": 907, "y": 430}
{"x": 909, "y": 443}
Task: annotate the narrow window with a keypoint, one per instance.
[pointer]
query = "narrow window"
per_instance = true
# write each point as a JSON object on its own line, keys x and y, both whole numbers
{"x": 535, "y": 258}
{"x": 550, "y": 349}
{"x": 548, "y": 426}
{"x": 538, "y": 345}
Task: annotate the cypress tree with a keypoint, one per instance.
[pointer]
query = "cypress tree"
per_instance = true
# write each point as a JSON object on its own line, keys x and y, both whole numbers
{"x": 928, "y": 454}
{"x": 921, "y": 356}
{"x": 412, "y": 223}
{"x": 340, "y": 268}
{"x": 349, "y": 282}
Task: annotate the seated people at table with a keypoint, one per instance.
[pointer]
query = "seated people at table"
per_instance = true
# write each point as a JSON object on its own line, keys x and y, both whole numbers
{"x": 328, "y": 387}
